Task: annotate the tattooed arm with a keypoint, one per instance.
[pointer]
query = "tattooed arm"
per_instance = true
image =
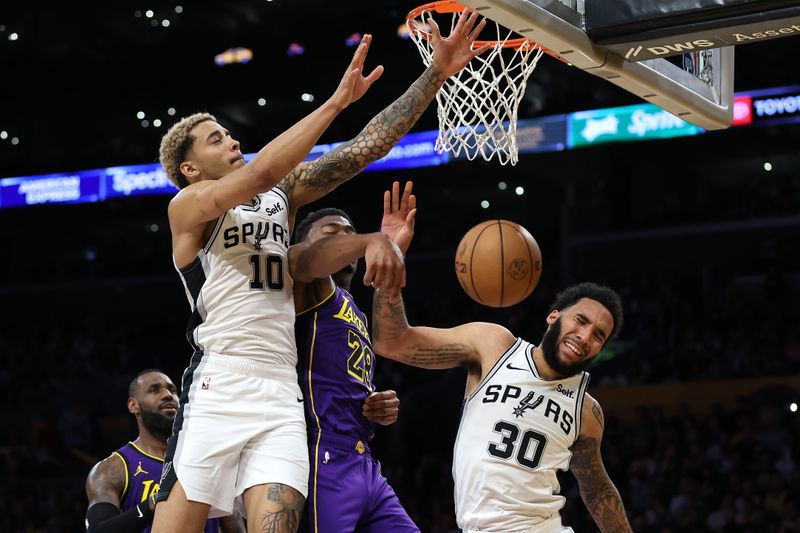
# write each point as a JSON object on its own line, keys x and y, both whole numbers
{"x": 104, "y": 487}
{"x": 597, "y": 491}
{"x": 314, "y": 179}
{"x": 471, "y": 345}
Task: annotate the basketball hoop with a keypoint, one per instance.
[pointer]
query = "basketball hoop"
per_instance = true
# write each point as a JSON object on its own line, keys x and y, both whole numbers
{"x": 477, "y": 107}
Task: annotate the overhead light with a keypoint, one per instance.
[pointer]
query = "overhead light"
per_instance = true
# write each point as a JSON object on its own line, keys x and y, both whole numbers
{"x": 140, "y": 115}
{"x": 502, "y": 186}
{"x": 485, "y": 204}
{"x": 307, "y": 97}
{"x": 262, "y": 102}
{"x": 295, "y": 49}
{"x": 149, "y": 13}
{"x": 234, "y": 55}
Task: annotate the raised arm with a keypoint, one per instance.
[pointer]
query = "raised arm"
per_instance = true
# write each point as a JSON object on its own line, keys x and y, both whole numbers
{"x": 597, "y": 491}
{"x": 104, "y": 487}
{"x": 324, "y": 257}
{"x": 209, "y": 199}
{"x": 314, "y": 179}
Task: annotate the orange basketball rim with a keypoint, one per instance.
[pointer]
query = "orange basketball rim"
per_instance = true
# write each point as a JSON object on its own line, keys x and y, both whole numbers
{"x": 451, "y": 6}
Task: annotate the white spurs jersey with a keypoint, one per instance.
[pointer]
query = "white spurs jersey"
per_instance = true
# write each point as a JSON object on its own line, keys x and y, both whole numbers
{"x": 515, "y": 433}
{"x": 239, "y": 286}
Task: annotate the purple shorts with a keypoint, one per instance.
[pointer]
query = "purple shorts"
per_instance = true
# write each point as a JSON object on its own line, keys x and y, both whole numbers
{"x": 346, "y": 491}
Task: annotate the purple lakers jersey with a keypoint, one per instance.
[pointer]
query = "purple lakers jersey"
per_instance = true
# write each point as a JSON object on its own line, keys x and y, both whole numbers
{"x": 142, "y": 474}
{"x": 336, "y": 366}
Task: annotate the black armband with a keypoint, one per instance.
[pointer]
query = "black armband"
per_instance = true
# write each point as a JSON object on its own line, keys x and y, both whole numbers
{"x": 106, "y": 517}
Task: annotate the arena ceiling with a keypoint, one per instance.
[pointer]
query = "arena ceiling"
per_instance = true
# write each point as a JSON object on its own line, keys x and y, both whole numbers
{"x": 75, "y": 77}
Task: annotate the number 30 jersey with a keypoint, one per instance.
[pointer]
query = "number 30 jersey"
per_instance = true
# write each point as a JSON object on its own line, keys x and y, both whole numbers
{"x": 239, "y": 286}
{"x": 515, "y": 433}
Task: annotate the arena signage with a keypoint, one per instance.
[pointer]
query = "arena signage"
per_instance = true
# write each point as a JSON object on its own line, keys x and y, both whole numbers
{"x": 664, "y": 47}
{"x": 630, "y": 123}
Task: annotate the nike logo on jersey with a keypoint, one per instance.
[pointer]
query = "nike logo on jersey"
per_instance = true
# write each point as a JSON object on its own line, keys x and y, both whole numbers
{"x": 509, "y": 366}
{"x": 139, "y": 511}
{"x": 299, "y": 400}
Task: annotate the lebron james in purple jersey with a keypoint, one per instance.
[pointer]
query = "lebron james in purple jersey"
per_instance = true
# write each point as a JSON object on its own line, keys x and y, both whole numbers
{"x": 120, "y": 488}
{"x": 346, "y": 489}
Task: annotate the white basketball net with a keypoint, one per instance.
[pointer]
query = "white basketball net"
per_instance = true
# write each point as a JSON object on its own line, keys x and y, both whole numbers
{"x": 477, "y": 107}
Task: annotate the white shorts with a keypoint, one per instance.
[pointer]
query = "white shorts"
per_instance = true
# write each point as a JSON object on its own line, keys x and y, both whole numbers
{"x": 240, "y": 424}
{"x": 551, "y": 525}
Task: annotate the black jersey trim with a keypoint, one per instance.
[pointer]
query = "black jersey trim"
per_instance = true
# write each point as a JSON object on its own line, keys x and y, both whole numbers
{"x": 495, "y": 368}
{"x": 579, "y": 403}
{"x": 277, "y": 190}
{"x": 532, "y": 363}
{"x": 214, "y": 233}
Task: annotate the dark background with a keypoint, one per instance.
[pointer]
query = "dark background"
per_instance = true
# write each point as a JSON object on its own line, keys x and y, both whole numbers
{"x": 700, "y": 240}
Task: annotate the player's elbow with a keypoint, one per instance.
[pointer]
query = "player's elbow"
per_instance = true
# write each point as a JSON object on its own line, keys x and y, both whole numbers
{"x": 391, "y": 348}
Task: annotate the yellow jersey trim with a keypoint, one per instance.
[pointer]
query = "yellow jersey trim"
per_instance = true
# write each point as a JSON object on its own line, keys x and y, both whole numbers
{"x": 318, "y": 304}
{"x": 135, "y": 447}
{"x": 125, "y": 465}
{"x": 316, "y": 419}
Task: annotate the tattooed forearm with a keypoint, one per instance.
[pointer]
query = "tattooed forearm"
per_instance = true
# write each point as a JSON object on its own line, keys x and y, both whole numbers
{"x": 373, "y": 142}
{"x": 598, "y": 492}
{"x": 388, "y": 318}
{"x": 444, "y": 355}
{"x": 389, "y": 324}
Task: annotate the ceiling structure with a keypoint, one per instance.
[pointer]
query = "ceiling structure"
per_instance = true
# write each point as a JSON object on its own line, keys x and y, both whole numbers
{"x": 74, "y": 79}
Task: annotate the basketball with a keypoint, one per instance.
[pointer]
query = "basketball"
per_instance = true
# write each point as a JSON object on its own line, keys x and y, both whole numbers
{"x": 498, "y": 263}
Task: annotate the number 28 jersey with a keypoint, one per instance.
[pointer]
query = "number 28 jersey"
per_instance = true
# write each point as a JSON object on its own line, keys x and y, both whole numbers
{"x": 239, "y": 286}
{"x": 515, "y": 433}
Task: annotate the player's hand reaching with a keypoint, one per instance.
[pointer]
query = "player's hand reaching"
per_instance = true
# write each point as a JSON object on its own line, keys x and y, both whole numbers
{"x": 382, "y": 407}
{"x": 452, "y": 53}
{"x": 385, "y": 269}
{"x": 398, "y": 215}
{"x": 354, "y": 85}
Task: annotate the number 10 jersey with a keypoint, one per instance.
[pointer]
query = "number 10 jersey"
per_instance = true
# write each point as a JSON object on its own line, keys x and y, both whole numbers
{"x": 515, "y": 432}
{"x": 239, "y": 286}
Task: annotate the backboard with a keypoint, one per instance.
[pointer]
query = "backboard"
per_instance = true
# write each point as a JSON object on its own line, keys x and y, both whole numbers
{"x": 559, "y": 27}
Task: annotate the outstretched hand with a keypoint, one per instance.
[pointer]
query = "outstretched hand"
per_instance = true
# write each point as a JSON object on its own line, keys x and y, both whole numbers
{"x": 398, "y": 215}
{"x": 382, "y": 407}
{"x": 453, "y": 53}
{"x": 354, "y": 85}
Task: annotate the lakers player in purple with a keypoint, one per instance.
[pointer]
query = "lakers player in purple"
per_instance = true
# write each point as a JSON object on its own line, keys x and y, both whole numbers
{"x": 346, "y": 491}
{"x": 121, "y": 487}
